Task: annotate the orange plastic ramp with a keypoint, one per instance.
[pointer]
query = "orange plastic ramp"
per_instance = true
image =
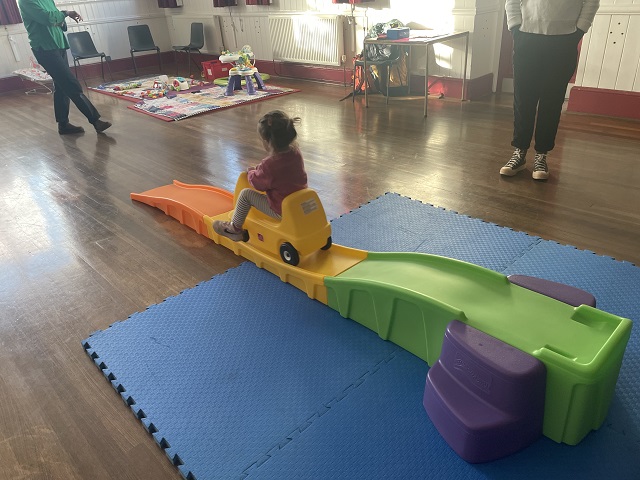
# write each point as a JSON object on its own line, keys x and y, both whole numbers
{"x": 188, "y": 203}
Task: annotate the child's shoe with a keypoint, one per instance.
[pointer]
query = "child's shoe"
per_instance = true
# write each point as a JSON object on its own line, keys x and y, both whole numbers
{"x": 229, "y": 230}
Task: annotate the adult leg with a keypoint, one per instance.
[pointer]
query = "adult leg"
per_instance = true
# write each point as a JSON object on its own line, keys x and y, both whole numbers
{"x": 66, "y": 86}
{"x": 562, "y": 59}
{"x": 526, "y": 87}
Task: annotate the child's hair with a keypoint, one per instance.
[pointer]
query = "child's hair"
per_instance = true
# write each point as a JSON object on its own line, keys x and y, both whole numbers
{"x": 278, "y": 129}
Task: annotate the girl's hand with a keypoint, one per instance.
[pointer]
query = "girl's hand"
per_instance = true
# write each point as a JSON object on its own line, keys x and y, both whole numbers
{"x": 250, "y": 168}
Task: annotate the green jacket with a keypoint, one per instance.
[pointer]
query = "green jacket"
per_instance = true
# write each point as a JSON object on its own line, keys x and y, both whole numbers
{"x": 45, "y": 24}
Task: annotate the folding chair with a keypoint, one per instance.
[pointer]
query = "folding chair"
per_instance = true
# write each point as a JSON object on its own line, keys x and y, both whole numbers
{"x": 82, "y": 47}
{"x": 196, "y": 42}
{"x": 140, "y": 40}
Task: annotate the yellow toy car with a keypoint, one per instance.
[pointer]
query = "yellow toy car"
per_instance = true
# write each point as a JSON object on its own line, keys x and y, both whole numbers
{"x": 303, "y": 229}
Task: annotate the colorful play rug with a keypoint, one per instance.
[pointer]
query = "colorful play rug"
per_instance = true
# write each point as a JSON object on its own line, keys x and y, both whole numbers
{"x": 282, "y": 387}
{"x": 135, "y": 89}
{"x": 194, "y": 102}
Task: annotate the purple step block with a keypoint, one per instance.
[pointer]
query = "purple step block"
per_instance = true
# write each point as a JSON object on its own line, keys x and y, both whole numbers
{"x": 485, "y": 397}
{"x": 570, "y": 295}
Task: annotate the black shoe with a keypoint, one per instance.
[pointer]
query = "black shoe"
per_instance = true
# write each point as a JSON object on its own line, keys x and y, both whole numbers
{"x": 67, "y": 129}
{"x": 101, "y": 125}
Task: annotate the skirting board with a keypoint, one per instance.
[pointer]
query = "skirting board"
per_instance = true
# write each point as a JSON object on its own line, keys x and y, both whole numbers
{"x": 601, "y": 101}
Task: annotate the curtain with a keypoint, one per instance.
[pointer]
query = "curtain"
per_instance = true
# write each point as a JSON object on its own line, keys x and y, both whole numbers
{"x": 225, "y": 3}
{"x": 258, "y": 2}
{"x": 9, "y": 13}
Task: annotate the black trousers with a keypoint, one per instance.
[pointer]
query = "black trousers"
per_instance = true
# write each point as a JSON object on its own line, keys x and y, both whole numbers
{"x": 66, "y": 87}
{"x": 542, "y": 68}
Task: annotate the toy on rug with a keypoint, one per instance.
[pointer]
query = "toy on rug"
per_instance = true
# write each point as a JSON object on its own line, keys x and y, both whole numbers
{"x": 509, "y": 362}
{"x": 123, "y": 87}
{"x": 161, "y": 83}
{"x": 244, "y": 66}
{"x": 243, "y": 59}
{"x": 154, "y": 93}
{"x": 179, "y": 83}
{"x": 197, "y": 83}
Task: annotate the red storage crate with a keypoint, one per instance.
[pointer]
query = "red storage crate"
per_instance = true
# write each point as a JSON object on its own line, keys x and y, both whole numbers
{"x": 215, "y": 69}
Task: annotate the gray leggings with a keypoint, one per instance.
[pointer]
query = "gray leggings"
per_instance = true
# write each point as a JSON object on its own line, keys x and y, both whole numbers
{"x": 250, "y": 198}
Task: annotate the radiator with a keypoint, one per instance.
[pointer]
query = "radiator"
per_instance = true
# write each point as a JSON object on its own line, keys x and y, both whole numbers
{"x": 316, "y": 39}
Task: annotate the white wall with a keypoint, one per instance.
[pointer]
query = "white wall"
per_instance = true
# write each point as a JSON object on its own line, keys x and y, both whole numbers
{"x": 610, "y": 55}
{"x": 249, "y": 25}
{"x": 233, "y": 27}
{"x": 106, "y": 20}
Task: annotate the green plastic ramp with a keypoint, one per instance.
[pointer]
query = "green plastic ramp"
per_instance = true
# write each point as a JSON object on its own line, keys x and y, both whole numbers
{"x": 409, "y": 298}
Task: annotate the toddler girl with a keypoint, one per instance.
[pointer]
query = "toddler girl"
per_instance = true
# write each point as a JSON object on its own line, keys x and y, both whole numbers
{"x": 278, "y": 175}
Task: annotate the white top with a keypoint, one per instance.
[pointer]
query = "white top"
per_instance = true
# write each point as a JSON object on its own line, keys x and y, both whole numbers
{"x": 551, "y": 17}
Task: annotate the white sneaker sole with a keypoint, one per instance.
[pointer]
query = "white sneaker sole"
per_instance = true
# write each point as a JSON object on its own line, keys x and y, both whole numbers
{"x": 510, "y": 172}
{"x": 540, "y": 175}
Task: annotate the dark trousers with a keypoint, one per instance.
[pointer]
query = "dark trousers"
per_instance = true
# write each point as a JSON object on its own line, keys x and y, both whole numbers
{"x": 542, "y": 68}
{"x": 66, "y": 87}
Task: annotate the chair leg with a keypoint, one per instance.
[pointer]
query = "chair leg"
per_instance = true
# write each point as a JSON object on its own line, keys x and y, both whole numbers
{"x": 76, "y": 69}
{"x": 189, "y": 62}
{"x": 102, "y": 68}
{"x": 159, "y": 59}
{"x": 388, "y": 81}
{"x": 175, "y": 60}
{"x": 107, "y": 60}
{"x": 135, "y": 68}
{"x": 75, "y": 66}
{"x": 199, "y": 67}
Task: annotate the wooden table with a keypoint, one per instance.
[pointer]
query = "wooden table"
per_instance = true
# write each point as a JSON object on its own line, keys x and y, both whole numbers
{"x": 422, "y": 41}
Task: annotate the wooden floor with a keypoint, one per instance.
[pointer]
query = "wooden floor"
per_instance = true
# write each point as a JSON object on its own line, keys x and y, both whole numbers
{"x": 76, "y": 254}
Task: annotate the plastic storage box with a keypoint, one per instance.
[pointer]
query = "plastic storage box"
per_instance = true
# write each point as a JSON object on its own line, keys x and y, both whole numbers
{"x": 398, "y": 33}
{"x": 215, "y": 69}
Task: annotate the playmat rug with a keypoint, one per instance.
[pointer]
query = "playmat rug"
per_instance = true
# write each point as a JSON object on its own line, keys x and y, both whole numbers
{"x": 188, "y": 104}
{"x": 282, "y": 387}
{"x": 133, "y": 89}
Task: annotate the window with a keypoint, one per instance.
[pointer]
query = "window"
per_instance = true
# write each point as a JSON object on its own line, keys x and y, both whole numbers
{"x": 9, "y": 13}
{"x": 225, "y": 3}
{"x": 169, "y": 3}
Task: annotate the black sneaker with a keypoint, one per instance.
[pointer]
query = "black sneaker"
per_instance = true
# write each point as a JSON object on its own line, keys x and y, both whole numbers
{"x": 101, "y": 125}
{"x": 540, "y": 169}
{"x": 69, "y": 129}
{"x": 516, "y": 163}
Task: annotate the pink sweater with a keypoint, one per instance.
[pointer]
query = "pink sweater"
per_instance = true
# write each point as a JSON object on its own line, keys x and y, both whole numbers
{"x": 279, "y": 175}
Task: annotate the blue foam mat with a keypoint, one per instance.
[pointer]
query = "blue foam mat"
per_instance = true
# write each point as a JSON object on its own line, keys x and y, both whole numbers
{"x": 300, "y": 392}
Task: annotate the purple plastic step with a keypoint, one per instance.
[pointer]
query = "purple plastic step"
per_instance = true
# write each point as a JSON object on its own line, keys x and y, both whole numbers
{"x": 485, "y": 397}
{"x": 565, "y": 293}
